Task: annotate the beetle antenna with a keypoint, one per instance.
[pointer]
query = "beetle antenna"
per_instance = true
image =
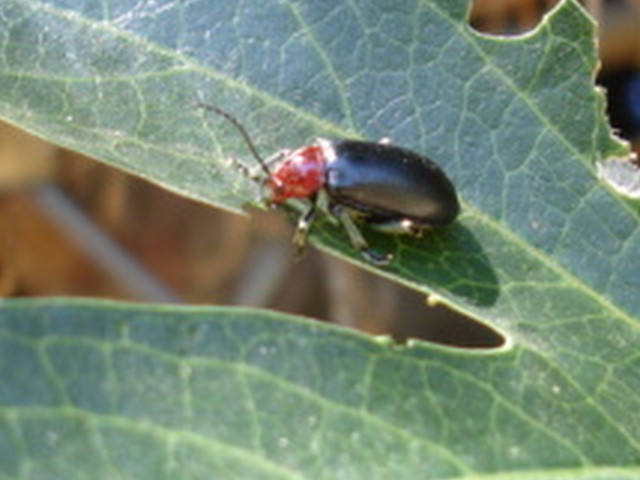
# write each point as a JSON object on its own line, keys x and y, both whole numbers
{"x": 233, "y": 121}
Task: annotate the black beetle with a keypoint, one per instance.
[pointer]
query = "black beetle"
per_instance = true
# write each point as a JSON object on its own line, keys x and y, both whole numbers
{"x": 390, "y": 188}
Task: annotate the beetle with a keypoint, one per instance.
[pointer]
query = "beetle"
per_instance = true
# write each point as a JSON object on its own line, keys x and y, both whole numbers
{"x": 389, "y": 188}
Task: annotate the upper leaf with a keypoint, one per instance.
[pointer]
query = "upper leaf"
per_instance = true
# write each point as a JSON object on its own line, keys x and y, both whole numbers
{"x": 515, "y": 122}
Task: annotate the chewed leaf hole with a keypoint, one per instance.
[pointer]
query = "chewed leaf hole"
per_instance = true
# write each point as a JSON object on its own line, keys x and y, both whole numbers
{"x": 440, "y": 324}
{"x": 507, "y": 18}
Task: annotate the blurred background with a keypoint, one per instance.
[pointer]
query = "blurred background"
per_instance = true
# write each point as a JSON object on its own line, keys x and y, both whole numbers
{"x": 71, "y": 226}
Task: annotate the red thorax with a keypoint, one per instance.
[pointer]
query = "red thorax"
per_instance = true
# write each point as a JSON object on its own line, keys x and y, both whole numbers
{"x": 299, "y": 175}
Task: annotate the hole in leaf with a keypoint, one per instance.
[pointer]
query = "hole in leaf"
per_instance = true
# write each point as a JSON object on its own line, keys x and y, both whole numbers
{"x": 622, "y": 88}
{"x": 508, "y": 17}
{"x": 440, "y": 324}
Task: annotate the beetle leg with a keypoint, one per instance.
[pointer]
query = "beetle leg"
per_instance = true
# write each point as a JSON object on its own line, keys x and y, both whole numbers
{"x": 402, "y": 226}
{"x": 357, "y": 240}
{"x": 302, "y": 229}
{"x": 280, "y": 154}
{"x": 243, "y": 169}
{"x": 256, "y": 173}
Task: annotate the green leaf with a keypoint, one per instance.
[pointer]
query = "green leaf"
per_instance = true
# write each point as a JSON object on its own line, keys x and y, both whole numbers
{"x": 99, "y": 390}
{"x": 543, "y": 251}
{"x": 515, "y": 122}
